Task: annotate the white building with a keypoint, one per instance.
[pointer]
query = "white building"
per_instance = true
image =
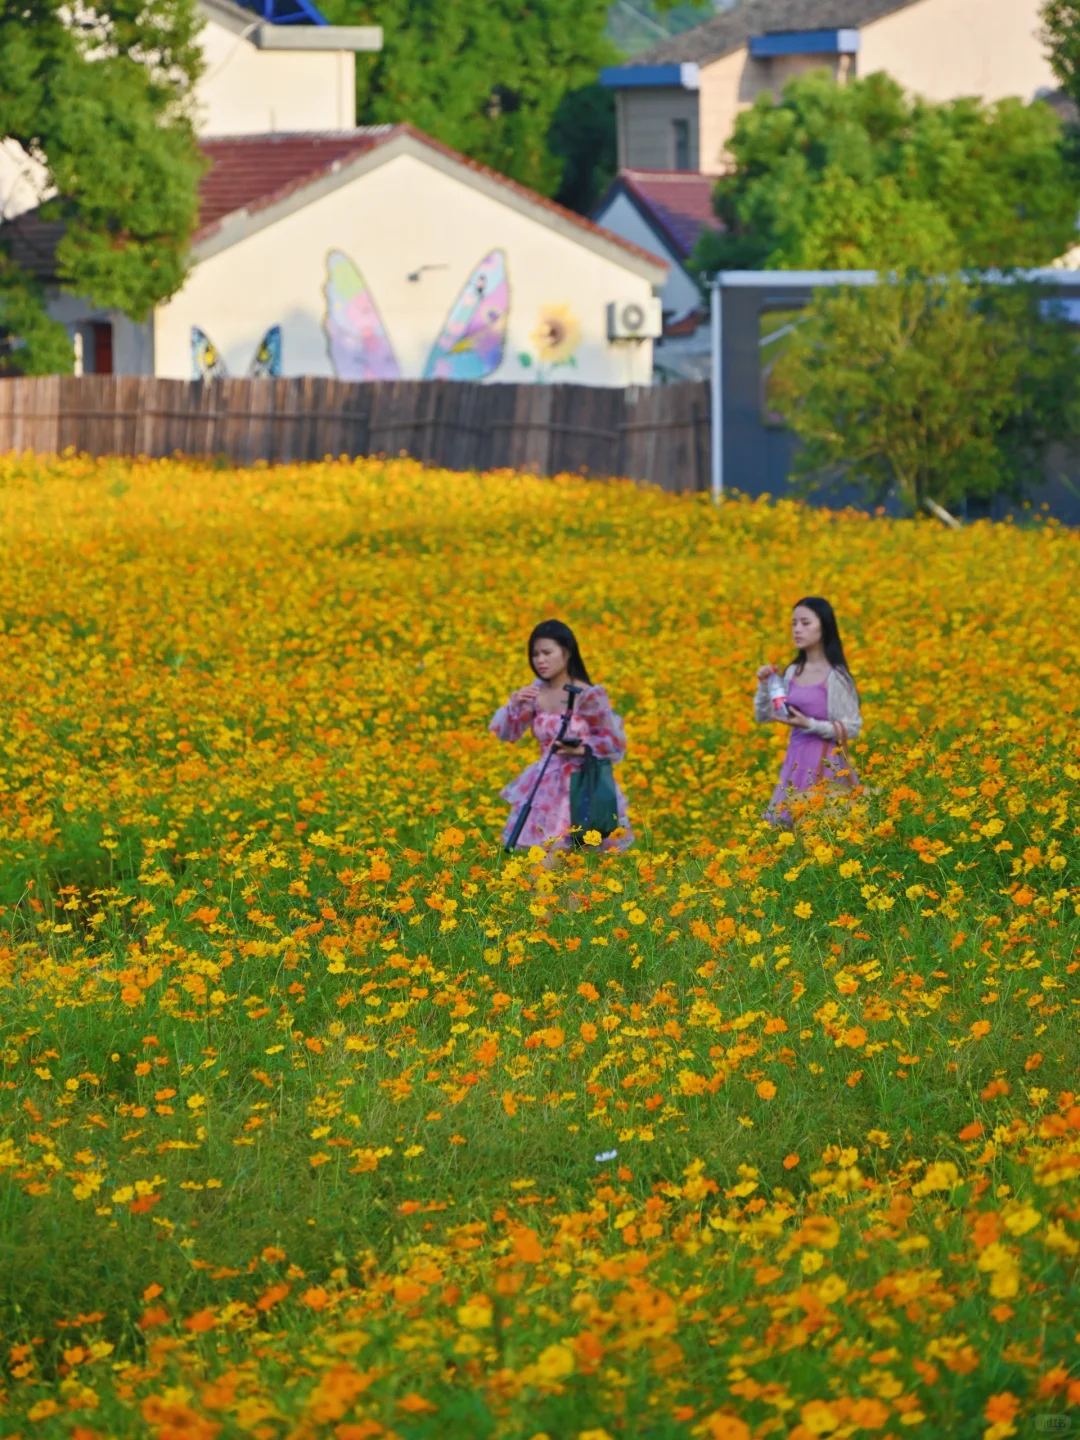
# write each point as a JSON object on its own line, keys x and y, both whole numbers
{"x": 375, "y": 254}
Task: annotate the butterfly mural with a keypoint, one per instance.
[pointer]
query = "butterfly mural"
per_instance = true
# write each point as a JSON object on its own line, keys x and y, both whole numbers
{"x": 207, "y": 363}
{"x": 470, "y": 345}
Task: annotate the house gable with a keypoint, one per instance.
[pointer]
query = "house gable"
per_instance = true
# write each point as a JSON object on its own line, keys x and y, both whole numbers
{"x": 364, "y": 151}
{"x": 365, "y": 271}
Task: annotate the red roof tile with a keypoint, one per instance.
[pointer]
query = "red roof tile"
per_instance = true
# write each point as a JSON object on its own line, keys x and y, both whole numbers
{"x": 679, "y": 202}
{"x": 249, "y": 172}
{"x": 252, "y": 172}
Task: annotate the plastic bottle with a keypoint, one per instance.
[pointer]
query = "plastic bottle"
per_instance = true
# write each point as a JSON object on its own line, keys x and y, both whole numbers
{"x": 777, "y": 694}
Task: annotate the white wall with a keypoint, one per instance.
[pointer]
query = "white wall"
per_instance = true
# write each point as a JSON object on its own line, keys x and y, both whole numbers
{"x": 404, "y": 214}
{"x": 944, "y": 49}
{"x": 624, "y": 218}
{"x": 23, "y": 182}
{"x": 247, "y": 91}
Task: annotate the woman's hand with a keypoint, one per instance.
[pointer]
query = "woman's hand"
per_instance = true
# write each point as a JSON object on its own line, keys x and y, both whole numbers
{"x": 765, "y": 671}
{"x": 796, "y": 718}
{"x": 569, "y": 747}
{"x": 526, "y": 695}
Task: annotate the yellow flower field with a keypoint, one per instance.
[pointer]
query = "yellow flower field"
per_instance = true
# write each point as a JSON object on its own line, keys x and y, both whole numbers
{"x": 322, "y": 1117}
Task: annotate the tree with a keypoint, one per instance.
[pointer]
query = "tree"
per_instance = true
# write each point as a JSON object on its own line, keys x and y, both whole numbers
{"x": 929, "y": 389}
{"x": 1062, "y": 34}
{"x": 100, "y": 98}
{"x": 487, "y": 77}
{"x": 992, "y": 181}
{"x": 582, "y": 138}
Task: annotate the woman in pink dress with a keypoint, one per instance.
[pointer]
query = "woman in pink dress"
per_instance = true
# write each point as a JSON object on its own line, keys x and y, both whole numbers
{"x": 822, "y": 707}
{"x": 539, "y": 708}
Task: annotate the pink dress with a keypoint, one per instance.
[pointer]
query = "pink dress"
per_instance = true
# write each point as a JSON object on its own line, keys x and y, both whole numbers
{"x": 597, "y": 725}
{"x": 809, "y": 759}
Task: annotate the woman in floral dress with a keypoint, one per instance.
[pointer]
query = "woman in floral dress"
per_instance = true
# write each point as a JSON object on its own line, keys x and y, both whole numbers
{"x": 538, "y": 708}
{"x": 822, "y": 707}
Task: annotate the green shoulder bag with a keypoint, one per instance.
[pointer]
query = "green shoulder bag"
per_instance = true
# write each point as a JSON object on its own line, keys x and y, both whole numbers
{"x": 594, "y": 800}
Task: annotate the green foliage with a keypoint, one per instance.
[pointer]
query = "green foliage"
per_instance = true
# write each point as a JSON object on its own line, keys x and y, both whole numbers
{"x": 929, "y": 389}
{"x": 103, "y": 105}
{"x": 487, "y": 77}
{"x": 30, "y": 342}
{"x": 582, "y": 136}
{"x": 824, "y": 176}
{"x": 1062, "y": 33}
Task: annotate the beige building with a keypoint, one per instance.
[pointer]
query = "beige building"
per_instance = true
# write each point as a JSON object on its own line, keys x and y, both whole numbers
{"x": 677, "y": 103}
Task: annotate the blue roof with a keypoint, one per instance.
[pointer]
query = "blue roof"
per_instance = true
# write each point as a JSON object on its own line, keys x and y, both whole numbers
{"x": 286, "y": 12}
{"x": 804, "y": 42}
{"x": 632, "y": 77}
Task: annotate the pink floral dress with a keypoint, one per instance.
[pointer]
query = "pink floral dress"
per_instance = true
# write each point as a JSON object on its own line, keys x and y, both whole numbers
{"x": 597, "y": 725}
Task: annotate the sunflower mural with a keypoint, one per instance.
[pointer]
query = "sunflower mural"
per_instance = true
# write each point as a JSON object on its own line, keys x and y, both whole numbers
{"x": 556, "y": 336}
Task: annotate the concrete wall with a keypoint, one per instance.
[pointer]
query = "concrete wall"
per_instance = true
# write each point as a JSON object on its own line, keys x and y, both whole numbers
{"x": 245, "y": 91}
{"x": 645, "y": 126}
{"x": 728, "y": 85}
{"x": 944, "y": 49}
{"x": 624, "y": 218}
{"x": 133, "y": 343}
{"x": 391, "y": 220}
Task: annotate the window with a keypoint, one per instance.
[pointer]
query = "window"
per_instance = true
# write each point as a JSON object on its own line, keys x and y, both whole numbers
{"x": 681, "y": 138}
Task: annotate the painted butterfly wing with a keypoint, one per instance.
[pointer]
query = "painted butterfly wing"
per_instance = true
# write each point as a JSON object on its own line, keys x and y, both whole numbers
{"x": 268, "y": 356}
{"x": 473, "y": 339}
{"x": 360, "y": 348}
{"x": 206, "y": 363}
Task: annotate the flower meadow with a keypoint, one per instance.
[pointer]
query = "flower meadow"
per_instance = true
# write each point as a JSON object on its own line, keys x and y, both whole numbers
{"x": 324, "y": 1117}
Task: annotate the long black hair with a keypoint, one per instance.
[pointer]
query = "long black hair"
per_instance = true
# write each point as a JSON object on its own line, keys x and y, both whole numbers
{"x": 830, "y": 637}
{"x": 564, "y": 636}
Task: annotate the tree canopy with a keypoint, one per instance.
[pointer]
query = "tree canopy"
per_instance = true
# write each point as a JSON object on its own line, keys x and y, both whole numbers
{"x": 100, "y": 99}
{"x": 929, "y": 389}
{"x": 510, "y": 84}
{"x": 1062, "y": 33}
{"x": 824, "y": 176}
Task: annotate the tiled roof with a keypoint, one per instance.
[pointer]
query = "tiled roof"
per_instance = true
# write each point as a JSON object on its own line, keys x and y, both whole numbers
{"x": 252, "y": 172}
{"x": 31, "y": 242}
{"x": 733, "y": 29}
{"x": 249, "y": 172}
{"x": 678, "y": 202}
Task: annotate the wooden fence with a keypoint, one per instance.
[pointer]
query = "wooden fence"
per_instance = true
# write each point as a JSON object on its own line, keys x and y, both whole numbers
{"x": 659, "y": 434}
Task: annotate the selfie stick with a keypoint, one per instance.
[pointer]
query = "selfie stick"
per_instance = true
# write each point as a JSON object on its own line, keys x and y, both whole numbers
{"x": 519, "y": 824}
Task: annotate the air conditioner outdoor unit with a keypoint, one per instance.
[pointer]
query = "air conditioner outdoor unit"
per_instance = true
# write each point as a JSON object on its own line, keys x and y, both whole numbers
{"x": 635, "y": 319}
